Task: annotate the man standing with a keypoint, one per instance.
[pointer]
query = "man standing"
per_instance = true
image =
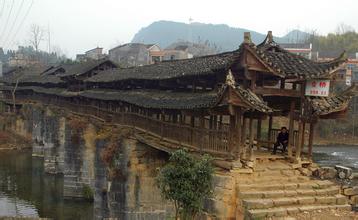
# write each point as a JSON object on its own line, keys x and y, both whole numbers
{"x": 282, "y": 139}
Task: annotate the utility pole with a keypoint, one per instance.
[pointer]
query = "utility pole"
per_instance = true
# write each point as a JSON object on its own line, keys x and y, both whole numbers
{"x": 49, "y": 38}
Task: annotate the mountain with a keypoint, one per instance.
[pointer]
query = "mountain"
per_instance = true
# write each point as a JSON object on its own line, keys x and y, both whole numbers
{"x": 295, "y": 36}
{"x": 221, "y": 37}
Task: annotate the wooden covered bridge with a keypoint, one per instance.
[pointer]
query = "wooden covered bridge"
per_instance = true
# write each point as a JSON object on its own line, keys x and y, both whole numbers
{"x": 217, "y": 104}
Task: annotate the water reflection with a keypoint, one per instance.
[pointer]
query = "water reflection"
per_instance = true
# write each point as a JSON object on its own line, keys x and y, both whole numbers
{"x": 26, "y": 191}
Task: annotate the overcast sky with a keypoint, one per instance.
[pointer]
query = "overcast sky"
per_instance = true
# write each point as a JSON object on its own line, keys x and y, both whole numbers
{"x": 79, "y": 25}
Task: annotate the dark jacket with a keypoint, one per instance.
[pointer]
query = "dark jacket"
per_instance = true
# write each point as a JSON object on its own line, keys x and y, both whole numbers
{"x": 282, "y": 137}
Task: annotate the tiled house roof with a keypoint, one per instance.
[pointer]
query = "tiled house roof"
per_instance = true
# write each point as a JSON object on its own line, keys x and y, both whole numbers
{"x": 334, "y": 103}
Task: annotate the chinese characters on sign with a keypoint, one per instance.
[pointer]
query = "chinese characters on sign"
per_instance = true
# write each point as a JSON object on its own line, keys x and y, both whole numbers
{"x": 317, "y": 88}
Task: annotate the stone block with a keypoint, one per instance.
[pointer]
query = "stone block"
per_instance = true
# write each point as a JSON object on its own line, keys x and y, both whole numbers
{"x": 353, "y": 200}
{"x": 306, "y": 192}
{"x": 290, "y": 186}
{"x": 284, "y": 201}
{"x": 351, "y": 191}
{"x": 292, "y": 210}
{"x": 258, "y": 203}
{"x": 326, "y": 200}
{"x": 343, "y": 207}
{"x": 251, "y": 195}
{"x": 274, "y": 194}
{"x": 306, "y": 200}
{"x": 307, "y": 185}
{"x": 278, "y": 212}
{"x": 290, "y": 193}
{"x": 343, "y": 172}
{"x": 257, "y": 214}
{"x": 325, "y": 173}
{"x": 341, "y": 199}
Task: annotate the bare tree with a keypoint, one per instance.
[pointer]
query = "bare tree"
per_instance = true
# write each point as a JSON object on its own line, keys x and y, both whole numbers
{"x": 36, "y": 36}
{"x": 343, "y": 28}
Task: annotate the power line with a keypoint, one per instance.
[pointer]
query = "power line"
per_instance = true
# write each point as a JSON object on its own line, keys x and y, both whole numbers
{"x": 14, "y": 23}
{"x": 7, "y": 20}
{"x": 21, "y": 24}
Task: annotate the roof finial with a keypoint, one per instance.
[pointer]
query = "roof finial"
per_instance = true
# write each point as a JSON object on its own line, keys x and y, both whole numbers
{"x": 230, "y": 80}
{"x": 247, "y": 38}
{"x": 269, "y": 36}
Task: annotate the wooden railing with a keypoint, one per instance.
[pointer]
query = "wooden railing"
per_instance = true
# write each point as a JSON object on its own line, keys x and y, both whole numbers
{"x": 206, "y": 140}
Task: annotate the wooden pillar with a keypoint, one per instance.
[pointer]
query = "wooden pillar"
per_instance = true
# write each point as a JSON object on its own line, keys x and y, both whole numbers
{"x": 259, "y": 123}
{"x": 269, "y": 128}
{"x": 202, "y": 126}
{"x": 251, "y": 135}
{"x": 238, "y": 131}
{"x": 232, "y": 134}
{"x": 215, "y": 122}
{"x": 243, "y": 131}
{"x": 258, "y": 132}
{"x": 310, "y": 140}
{"x": 211, "y": 122}
{"x": 192, "y": 121}
{"x": 301, "y": 138}
{"x": 291, "y": 128}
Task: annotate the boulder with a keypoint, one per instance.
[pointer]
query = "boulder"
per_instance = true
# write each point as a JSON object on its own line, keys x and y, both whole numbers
{"x": 325, "y": 173}
{"x": 343, "y": 172}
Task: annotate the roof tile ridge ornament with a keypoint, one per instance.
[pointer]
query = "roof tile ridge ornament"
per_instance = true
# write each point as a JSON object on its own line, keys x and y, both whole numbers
{"x": 230, "y": 80}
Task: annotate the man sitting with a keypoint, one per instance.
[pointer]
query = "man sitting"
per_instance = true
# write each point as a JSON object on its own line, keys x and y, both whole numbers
{"x": 282, "y": 139}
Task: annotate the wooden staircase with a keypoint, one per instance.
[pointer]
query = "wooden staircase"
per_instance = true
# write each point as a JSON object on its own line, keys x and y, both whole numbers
{"x": 275, "y": 189}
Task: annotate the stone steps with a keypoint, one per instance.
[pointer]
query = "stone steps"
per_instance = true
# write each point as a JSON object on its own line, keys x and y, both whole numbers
{"x": 247, "y": 179}
{"x": 288, "y": 193}
{"x": 286, "y": 186}
{"x": 293, "y": 201}
{"x": 286, "y": 211}
{"x": 274, "y": 192}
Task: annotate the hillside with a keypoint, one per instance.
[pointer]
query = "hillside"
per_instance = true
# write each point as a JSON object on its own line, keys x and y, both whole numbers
{"x": 221, "y": 37}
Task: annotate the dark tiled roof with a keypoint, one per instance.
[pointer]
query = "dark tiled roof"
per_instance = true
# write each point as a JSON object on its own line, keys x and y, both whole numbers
{"x": 207, "y": 65}
{"x": 334, "y": 103}
{"x": 81, "y": 68}
{"x": 294, "y": 66}
{"x": 253, "y": 100}
{"x": 155, "y": 98}
{"x": 50, "y": 91}
{"x": 31, "y": 75}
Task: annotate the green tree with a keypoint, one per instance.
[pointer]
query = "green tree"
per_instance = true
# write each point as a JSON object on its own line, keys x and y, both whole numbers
{"x": 186, "y": 181}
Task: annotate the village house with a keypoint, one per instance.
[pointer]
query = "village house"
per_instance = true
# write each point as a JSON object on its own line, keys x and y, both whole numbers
{"x": 302, "y": 49}
{"x": 93, "y": 54}
{"x": 135, "y": 54}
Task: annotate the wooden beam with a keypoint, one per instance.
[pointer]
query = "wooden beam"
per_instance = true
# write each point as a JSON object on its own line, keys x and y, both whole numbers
{"x": 277, "y": 92}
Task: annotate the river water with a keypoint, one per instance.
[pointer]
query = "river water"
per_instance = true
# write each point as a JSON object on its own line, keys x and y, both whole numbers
{"x": 336, "y": 155}
{"x": 25, "y": 190}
